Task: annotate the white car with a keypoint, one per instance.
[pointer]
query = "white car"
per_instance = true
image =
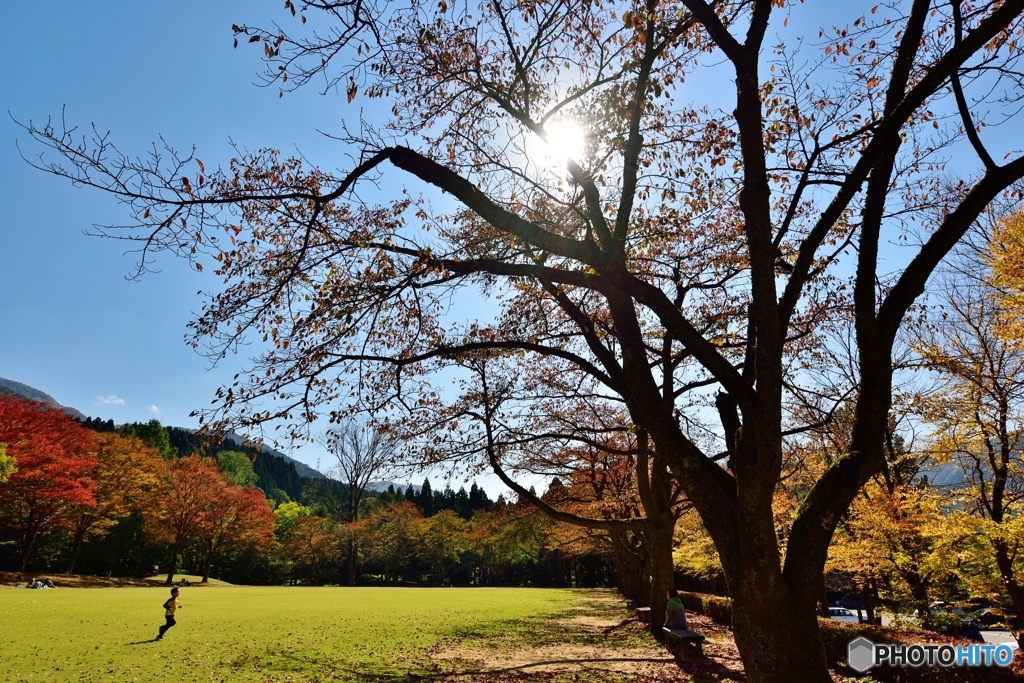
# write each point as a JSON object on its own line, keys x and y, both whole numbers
{"x": 843, "y": 614}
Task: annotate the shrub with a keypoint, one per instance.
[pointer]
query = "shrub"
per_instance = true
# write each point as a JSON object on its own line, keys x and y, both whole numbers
{"x": 719, "y": 610}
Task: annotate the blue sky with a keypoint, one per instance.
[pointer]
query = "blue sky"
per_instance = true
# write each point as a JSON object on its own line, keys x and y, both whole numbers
{"x": 75, "y": 327}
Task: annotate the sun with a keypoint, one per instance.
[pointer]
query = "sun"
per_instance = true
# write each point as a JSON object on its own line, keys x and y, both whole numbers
{"x": 565, "y": 140}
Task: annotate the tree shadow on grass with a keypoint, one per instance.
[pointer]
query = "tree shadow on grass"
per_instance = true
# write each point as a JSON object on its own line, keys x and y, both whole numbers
{"x": 581, "y": 669}
{"x": 611, "y": 629}
{"x": 707, "y": 669}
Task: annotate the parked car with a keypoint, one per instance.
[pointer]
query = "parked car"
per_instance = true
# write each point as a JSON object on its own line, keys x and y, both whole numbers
{"x": 939, "y": 607}
{"x": 843, "y": 614}
{"x": 957, "y": 624}
{"x": 991, "y": 616}
{"x": 849, "y": 601}
{"x": 969, "y": 630}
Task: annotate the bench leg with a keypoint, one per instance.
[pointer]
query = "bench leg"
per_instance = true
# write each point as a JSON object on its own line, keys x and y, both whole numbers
{"x": 686, "y": 650}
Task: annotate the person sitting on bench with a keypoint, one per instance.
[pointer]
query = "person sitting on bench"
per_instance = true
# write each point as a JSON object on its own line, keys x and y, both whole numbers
{"x": 675, "y": 613}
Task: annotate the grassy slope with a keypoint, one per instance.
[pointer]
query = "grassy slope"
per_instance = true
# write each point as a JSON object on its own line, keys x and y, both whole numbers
{"x": 250, "y": 633}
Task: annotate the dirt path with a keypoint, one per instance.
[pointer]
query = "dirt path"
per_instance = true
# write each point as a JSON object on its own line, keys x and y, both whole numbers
{"x": 598, "y": 641}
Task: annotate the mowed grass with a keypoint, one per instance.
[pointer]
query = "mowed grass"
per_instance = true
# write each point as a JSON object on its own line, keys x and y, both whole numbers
{"x": 265, "y": 634}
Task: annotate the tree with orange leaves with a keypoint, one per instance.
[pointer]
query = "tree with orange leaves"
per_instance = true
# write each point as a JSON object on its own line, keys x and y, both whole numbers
{"x": 239, "y": 517}
{"x": 313, "y": 542}
{"x": 177, "y": 507}
{"x": 54, "y": 457}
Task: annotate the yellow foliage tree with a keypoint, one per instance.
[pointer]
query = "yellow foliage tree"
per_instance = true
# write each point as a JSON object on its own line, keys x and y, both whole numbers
{"x": 694, "y": 553}
{"x": 444, "y": 538}
{"x": 7, "y": 464}
{"x": 390, "y": 535}
{"x": 978, "y": 406}
{"x": 125, "y": 470}
{"x": 1006, "y": 259}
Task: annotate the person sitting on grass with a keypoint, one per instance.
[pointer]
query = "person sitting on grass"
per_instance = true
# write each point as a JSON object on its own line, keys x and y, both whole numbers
{"x": 170, "y": 607}
{"x": 675, "y": 614}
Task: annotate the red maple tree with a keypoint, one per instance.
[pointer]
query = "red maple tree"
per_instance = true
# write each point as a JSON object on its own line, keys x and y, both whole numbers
{"x": 54, "y": 457}
{"x": 240, "y": 517}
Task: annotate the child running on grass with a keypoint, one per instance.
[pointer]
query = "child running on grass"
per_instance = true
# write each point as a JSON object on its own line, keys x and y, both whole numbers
{"x": 170, "y": 607}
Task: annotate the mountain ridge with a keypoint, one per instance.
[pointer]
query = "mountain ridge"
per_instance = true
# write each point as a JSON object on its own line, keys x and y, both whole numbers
{"x": 15, "y": 388}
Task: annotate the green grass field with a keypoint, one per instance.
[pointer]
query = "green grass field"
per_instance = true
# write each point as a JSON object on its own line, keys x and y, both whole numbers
{"x": 253, "y": 633}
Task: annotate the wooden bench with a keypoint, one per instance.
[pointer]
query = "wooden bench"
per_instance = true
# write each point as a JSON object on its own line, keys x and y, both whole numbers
{"x": 691, "y": 644}
{"x": 643, "y": 615}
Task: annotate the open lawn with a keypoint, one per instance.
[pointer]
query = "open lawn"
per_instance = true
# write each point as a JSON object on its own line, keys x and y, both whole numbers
{"x": 271, "y": 634}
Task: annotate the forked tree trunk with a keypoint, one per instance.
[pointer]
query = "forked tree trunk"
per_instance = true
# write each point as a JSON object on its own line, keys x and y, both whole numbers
{"x": 28, "y": 540}
{"x": 775, "y": 622}
{"x": 75, "y": 548}
{"x": 206, "y": 566}
{"x": 919, "y": 594}
{"x": 175, "y": 551}
{"x": 26, "y": 550}
{"x": 869, "y": 600}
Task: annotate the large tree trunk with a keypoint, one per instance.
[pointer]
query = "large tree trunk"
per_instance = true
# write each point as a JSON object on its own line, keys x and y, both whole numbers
{"x": 1013, "y": 587}
{"x": 778, "y": 640}
{"x": 208, "y": 561}
{"x": 775, "y": 622}
{"x": 662, "y": 576}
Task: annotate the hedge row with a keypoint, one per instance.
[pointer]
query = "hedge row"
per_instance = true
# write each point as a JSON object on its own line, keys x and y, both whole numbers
{"x": 718, "y": 609}
{"x": 837, "y": 635}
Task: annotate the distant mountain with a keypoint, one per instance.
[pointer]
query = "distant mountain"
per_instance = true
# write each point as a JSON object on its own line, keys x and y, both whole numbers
{"x": 946, "y": 475}
{"x": 303, "y": 469}
{"x": 381, "y": 486}
{"x": 12, "y": 388}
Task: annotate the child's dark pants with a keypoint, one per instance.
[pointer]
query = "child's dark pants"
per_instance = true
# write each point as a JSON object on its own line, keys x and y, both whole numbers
{"x": 170, "y": 623}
